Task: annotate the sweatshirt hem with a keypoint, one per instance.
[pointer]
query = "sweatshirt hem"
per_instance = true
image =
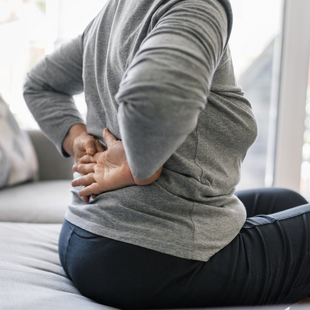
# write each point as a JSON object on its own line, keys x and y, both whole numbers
{"x": 139, "y": 240}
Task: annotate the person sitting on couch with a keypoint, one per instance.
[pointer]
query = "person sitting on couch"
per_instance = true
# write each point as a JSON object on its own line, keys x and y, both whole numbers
{"x": 155, "y": 221}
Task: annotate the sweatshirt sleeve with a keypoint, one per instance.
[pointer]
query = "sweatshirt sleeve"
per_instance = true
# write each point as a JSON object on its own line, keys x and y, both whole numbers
{"x": 168, "y": 81}
{"x": 49, "y": 90}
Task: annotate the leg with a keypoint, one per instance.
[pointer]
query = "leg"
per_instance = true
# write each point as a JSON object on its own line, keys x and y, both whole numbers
{"x": 269, "y": 200}
{"x": 122, "y": 275}
{"x": 267, "y": 263}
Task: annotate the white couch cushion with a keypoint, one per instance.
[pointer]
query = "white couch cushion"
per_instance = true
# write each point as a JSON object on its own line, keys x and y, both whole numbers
{"x": 31, "y": 276}
{"x": 41, "y": 202}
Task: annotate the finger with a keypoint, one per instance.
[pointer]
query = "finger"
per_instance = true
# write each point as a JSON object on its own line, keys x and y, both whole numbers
{"x": 99, "y": 146}
{"x": 84, "y": 180}
{"x": 84, "y": 168}
{"x": 85, "y": 144}
{"x": 85, "y": 198}
{"x": 93, "y": 189}
{"x": 93, "y": 196}
{"x": 86, "y": 159}
{"x": 108, "y": 137}
{"x": 90, "y": 146}
{"x": 77, "y": 159}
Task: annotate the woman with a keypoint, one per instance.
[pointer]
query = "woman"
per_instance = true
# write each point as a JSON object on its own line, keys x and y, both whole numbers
{"x": 154, "y": 221}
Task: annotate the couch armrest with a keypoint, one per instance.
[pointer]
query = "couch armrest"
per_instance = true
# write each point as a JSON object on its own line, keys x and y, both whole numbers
{"x": 52, "y": 166}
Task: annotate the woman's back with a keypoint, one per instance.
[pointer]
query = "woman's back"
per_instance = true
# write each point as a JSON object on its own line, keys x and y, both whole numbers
{"x": 159, "y": 75}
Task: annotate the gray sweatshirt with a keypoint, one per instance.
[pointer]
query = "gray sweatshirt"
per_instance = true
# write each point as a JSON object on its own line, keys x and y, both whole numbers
{"x": 159, "y": 75}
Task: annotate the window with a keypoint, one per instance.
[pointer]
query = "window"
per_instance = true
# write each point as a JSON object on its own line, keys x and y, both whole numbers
{"x": 256, "y": 50}
{"x": 22, "y": 28}
{"x": 293, "y": 93}
{"x": 305, "y": 166}
{"x": 30, "y": 29}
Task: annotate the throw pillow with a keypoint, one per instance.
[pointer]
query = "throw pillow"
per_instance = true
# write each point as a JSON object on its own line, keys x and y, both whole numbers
{"x": 18, "y": 161}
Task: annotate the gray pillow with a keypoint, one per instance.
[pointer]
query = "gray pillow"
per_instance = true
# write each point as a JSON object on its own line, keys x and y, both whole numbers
{"x": 18, "y": 161}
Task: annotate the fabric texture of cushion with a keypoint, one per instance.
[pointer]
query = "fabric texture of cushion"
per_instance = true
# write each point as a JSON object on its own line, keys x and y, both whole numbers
{"x": 18, "y": 162}
{"x": 31, "y": 276}
{"x": 36, "y": 202}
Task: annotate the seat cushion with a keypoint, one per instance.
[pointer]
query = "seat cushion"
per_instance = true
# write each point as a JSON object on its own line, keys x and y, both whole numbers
{"x": 31, "y": 276}
{"x": 39, "y": 202}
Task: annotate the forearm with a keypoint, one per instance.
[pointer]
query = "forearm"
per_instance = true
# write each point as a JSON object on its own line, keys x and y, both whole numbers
{"x": 49, "y": 90}
{"x": 55, "y": 113}
{"x": 168, "y": 82}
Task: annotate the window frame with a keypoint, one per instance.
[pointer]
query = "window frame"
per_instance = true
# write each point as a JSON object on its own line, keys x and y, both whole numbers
{"x": 292, "y": 94}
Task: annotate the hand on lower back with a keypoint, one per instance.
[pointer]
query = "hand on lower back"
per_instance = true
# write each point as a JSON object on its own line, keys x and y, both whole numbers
{"x": 79, "y": 143}
{"x": 107, "y": 171}
{"x": 86, "y": 144}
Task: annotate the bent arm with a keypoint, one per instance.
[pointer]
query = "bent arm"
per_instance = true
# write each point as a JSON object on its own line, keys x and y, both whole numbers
{"x": 49, "y": 91}
{"x": 167, "y": 83}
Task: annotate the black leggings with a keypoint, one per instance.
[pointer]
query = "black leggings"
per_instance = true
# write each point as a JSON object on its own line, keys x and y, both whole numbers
{"x": 267, "y": 263}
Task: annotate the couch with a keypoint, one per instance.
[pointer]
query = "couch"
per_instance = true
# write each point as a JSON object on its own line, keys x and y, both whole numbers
{"x": 31, "y": 214}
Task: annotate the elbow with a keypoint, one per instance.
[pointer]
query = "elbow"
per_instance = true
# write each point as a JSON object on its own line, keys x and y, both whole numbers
{"x": 167, "y": 108}
{"x": 150, "y": 180}
{"x": 162, "y": 118}
{"x": 31, "y": 87}
{"x": 28, "y": 90}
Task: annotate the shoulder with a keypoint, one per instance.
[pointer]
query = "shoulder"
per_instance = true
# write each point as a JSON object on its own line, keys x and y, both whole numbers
{"x": 195, "y": 13}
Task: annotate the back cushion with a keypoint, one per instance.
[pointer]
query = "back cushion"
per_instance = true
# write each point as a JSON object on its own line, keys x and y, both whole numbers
{"x": 18, "y": 161}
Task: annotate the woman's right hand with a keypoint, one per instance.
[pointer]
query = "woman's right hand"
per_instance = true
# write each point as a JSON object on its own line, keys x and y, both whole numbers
{"x": 79, "y": 143}
{"x": 85, "y": 144}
